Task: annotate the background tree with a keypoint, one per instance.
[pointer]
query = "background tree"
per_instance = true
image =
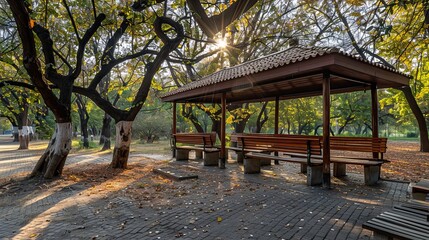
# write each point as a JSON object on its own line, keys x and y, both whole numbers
{"x": 159, "y": 43}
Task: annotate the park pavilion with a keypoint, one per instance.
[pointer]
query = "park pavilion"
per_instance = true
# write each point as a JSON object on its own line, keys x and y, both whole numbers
{"x": 293, "y": 73}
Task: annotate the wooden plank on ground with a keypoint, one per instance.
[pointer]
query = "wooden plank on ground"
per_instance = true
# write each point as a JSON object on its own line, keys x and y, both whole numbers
{"x": 175, "y": 173}
{"x": 422, "y": 186}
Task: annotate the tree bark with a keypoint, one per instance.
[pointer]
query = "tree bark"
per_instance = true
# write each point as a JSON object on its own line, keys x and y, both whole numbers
{"x": 84, "y": 131}
{"x": 105, "y": 132}
{"x": 262, "y": 117}
{"x": 189, "y": 114}
{"x": 84, "y": 117}
{"x": 15, "y": 133}
{"x": 122, "y": 144}
{"x": 424, "y": 139}
{"x": 52, "y": 162}
{"x": 24, "y": 137}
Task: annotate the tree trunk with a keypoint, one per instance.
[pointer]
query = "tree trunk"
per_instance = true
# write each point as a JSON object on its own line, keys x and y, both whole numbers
{"x": 24, "y": 137}
{"x": 52, "y": 162}
{"x": 122, "y": 144}
{"x": 301, "y": 128}
{"x": 15, "y": 133}
{"x": 240, "y": 126}
{"x": 84, "y": 131}
{"x": 262, "y": 118}
{"x": 424, "y": 139}
{"x": 105, "y": 132}
{"x": 216, "y": 126}
{"x": 189, "y": 114}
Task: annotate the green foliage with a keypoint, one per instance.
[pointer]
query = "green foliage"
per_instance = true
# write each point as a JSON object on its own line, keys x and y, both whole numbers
{"x": 4, "y": 125}
{"x": 152, "y": 124}
{"x": 45, "y": 127}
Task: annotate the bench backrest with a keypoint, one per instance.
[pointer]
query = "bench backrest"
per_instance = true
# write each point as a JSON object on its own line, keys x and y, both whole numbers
{"x": 234, "y": 136}
{"x": 204, "y": 139}
{"x": 281, "y": 143}
{"x": 360, "y": 144}
{"x": 357, "y": 144}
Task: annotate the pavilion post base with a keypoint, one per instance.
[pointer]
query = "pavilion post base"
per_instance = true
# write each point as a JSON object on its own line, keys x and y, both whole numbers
{"x": 314, "y": 175}
{"x": 372, "y": 174}
{"x": 339, "y": 169}
{"x": 182, "y": 154}
{"x": 211, "y": 158}
{"x": 222, "y": 162}
{"x": 252, "y": 165}
{"x": 198, "y": 154}
{"x": 303, "y": 168}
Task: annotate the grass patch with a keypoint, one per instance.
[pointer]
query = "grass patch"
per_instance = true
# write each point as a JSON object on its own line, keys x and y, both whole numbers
{"x": 161, "y": 147}
{"x": 404, "y": 139}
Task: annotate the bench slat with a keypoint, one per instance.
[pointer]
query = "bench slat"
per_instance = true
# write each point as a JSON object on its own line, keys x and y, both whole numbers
{"x": 406, "y": 219}
{"x": 393, "y": 230}
{"x": 356, "y": 144}
{"x": 413, "y": 212}
{"x": 356, "y": 161}
{"x": 290, "y": 159}
{"x": 206, "y": 140}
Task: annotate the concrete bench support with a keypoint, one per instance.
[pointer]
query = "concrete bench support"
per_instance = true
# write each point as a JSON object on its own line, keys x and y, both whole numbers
{"x": 303, "y": 168}
{"x": 252, "y": 165}
{"x": 211, "y": 158}
{"x": 265, "y": 162}
{"x": 372, "y": 174}
{"x": 240, "y": 157}
{"x": 198, "y": 154}
{"x": 339, "y": 169}
{"x": 182, "y": 154}
{"x": 314, "y": 175}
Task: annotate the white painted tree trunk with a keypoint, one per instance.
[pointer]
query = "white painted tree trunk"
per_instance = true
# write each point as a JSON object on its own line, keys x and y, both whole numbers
{"x": 52, "y": 162}
{"x": 122, "y": 144}
{"x": 24, "y": 137}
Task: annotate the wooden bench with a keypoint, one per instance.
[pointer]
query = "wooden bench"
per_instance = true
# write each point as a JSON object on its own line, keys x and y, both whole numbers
{"x": 281, "y": 143}
{"x": 240, "y": 151}
{"x": 237, "y": 147}
{"x": 406, "y": 221}
{"x": 372, "y": 166}
{"x": 201, "y": 143}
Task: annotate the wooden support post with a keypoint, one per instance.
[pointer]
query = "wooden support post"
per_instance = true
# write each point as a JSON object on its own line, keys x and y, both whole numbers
{"x": 374, "y": 114}
{"x": 173, "y": 128}
{"x": 326, "y": 126}
{"x": 276, "y": 125}
{"x": 222, "y": 159}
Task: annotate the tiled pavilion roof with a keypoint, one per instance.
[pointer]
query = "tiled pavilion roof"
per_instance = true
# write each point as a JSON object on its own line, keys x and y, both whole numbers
{"x": 282, "y": 59}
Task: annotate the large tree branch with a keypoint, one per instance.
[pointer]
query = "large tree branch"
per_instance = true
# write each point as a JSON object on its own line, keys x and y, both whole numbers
{"x": 348, "y": 30}
{"x": 108, "y": 60}
{"x": 105, "y": 69}
{"x": 109, "y": 50}
{"x": 82, "y": 44}
{"x": 72, "y": 20}
{"x": 152, "y": 68}
{"x": 104, "y": 104}
{"x": 30, "y": 60}
{"x": 214, "y": 24}
{"x": 48, "y": 52}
